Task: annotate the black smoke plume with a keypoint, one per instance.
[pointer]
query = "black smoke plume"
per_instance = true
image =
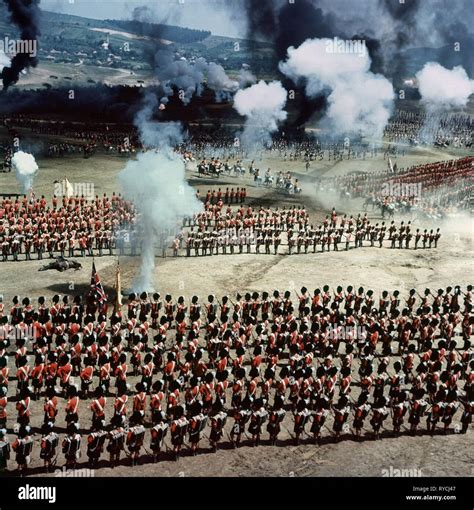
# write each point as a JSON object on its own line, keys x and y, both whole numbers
{"x": 375, "y": 52}
{"x": 300, "y": 21}
{"x": 404, "y": 19}
{"x": 26, "y": 15}
{"x": 261, "y": 20}
{"x": 285, "y": 24}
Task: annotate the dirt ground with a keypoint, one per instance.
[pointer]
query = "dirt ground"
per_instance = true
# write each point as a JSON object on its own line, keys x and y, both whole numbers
{"x": 451, "y": 263}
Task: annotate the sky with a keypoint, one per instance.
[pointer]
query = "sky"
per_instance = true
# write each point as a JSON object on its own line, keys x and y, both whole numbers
{"x": 199, "y": 14}
{"x": 226, "y": 17}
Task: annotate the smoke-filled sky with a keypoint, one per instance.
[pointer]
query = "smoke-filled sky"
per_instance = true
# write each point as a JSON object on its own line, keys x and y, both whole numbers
{"x": 228, "y": 17}
{"x": 354, "y": 90}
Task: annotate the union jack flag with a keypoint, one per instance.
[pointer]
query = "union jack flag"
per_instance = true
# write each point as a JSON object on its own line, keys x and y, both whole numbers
{"x": 97, "y": 291}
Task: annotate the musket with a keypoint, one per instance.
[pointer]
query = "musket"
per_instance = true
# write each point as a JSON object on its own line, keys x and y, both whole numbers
{"x": 419, "y": 295}
{"x": 289, "y": 433}
{"x": 207, "y": 438}
{"x": 55, "y": 459}
{"x": 166, "y": 446}
{"x": 327, "y": 426}
{"x": 147, "y": 451}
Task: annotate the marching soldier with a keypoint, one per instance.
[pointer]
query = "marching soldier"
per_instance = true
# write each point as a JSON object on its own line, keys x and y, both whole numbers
{"x": 139, "y": 404}
{"x": 399, "y": 408}
{"x": 379, "y": 414}
{"x": 4, "y": 450}
{"x": 393, "y": 238}
{"x": 241, "y": 417}
{"x": 361, "y": 411}
{"x": 276, "y": 243}
{"x": 23, "y": 407}
{"x": 218, "y": 420}
{"x": 417, "y": 409}
{"x": 49, "y": 443}
{"x": 71, "y": 445}
{"x": 72, "y": 406}
{"x": 466, "y": 418}
{"x": 158, "y": 433}
{"x": 120, "y": 408}
{"x": 319, "y": 417}
{"x": 257, "y": 419}
{"x": 408, "y": 237}
{"x": 22, "y": 447}
{"x": 116, "y": 443}
{"x": 178, "y": 429}
{"x": 301, "y": 419}
{"x": 401, "y": 238}
{"x": 431, "y": 238}
{"x": 417, "y": 237}
{"x": 135, "y": 438}
{"x": 95, "y": 445}
{"x": 197, "y": 422}
{"x": 157, "y": 415}
{"x": 3, "y": 406}
{"x": 98, "y": 409}
{"x": 50, "y": 406}
{"x": 341, "y": 413}
{"x": 275, "y": 418}
{"x": 189, "y": 245}
{"x": 381, "y": 237}
{"x": 425, "y": 238}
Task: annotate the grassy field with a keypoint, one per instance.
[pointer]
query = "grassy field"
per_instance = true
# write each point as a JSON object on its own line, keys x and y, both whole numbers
{"x": 255, "y": 272}
{"x": 372, "y": 268}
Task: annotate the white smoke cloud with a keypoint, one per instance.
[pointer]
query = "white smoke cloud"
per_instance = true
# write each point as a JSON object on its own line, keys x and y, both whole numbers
{"x": 156, "y": 184}
{"x": 262, "y": 104}
{"x": 218, "y": 80}
{"x": 442, "y": 88}
{"x": 246, "y": 78}
{"x": 156, "y": 134}
{"x": 220, "y": 83}
{"x": 4, "y": 60}
{"x": 188, "y": 77}
{"x": 359, "y": 100}
{"x": 25, "y": 167}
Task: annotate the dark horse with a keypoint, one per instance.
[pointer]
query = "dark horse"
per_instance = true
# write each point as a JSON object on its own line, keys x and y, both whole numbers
{"x": 61, "y": 264}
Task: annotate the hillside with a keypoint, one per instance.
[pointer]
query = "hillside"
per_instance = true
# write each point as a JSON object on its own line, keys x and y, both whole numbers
{"x": 447, "y": 56}
{"x": 84, "y": 50}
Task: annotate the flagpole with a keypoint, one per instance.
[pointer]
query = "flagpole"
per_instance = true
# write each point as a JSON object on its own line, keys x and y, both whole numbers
{"x": 118, "y": 288}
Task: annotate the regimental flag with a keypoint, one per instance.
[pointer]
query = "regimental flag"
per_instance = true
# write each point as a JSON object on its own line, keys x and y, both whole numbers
{"x": 97, "y": 291}
{"x": 118, "y": 289}
{"x": 390, "y": 165}
{"x": 66, "y": 188}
